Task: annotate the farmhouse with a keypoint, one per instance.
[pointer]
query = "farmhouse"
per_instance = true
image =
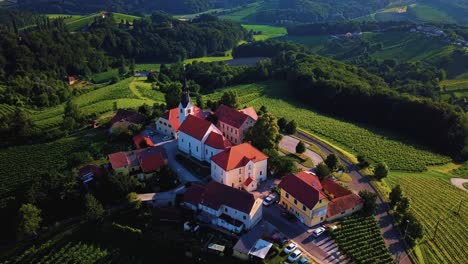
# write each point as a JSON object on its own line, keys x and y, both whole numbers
{"x": 168, "y": 124}
{"x": 229, "y": 208}
{"x": 234, "y": 124}
{"x": 241, "y": 167}
{"x": 314, "y": 202}
{"x": 142, "y": 162}
{"x": 125, "y": 118}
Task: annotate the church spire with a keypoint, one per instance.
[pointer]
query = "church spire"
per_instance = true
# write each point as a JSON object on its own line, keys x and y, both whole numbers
{"x": 185, "y": 94}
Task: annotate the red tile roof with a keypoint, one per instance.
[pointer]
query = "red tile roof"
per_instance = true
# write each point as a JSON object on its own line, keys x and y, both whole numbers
{"x": 343, "y": 203}
{"x": 118, "y": 160}
{"x": 231, "y": 116}
{"x": 129, "y": 116}
{"x": 304, "y": 187}
{"x": 195, "y": 127}
{"x": 139, "y": 138}
{"x": 193, "y": 195}
{"x": 332, "y": 188}
{"x": 217, "y": 194}
{"x": 238, "y": 156}
{"x": 217, "y": 141}
{"x": 173, "y": 117}
{"x": 152, "y": 159}
{"x": 250, "y": 111}
{"x": 95, "y": 170}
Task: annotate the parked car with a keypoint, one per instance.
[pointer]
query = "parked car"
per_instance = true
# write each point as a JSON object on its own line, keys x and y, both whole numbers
{"x": 283, "y": 241}
{"x": 295, "y": 255}
{"x": 289, "y": 216}
{"x": 166, "y": 138}
{"x": 303, "y": 260}
{"x": 270, "y": 199}
{"x": 289, "y": 248}
{"x": 318, "y": 231}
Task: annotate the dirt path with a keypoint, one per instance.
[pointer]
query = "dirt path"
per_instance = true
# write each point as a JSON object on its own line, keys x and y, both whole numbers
{"x": 458, "y": 182}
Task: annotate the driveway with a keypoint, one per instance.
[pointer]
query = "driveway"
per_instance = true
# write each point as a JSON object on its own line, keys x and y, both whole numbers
{"x": 360, "y": 182}
{"x": 289, "y": 144}
{"x": 458, "y": 182}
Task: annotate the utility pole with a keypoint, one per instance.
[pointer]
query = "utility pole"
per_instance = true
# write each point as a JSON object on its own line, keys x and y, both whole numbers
{"x": 406, "y": 229}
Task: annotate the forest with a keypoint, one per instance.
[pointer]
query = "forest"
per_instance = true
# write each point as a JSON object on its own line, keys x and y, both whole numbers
{"x": 139, "y": 7}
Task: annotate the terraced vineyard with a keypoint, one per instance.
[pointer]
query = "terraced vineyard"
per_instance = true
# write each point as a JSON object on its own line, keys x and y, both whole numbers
{"x": 360, "y": 239}
{"x": 433, "y": 197}
{"x": 377, "y": 145}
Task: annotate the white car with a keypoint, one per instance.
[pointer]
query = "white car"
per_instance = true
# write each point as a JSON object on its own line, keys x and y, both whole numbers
{"x": 295, "y": 255}
{"x": 317, "y": 232}
{"x": 269, "y": 200}
{"x": 289, "y": 248}
{"x": 303, "y": 260}
{"x": 166, "y": 138}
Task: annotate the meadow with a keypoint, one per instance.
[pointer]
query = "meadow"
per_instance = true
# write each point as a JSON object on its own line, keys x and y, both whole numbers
{"x": 266, "y": 31}
{"x": 360, "y": 239}
{"x": 77, "y": 22}
{"x": 395, "y": 150}
{"x": 434, "y": 198}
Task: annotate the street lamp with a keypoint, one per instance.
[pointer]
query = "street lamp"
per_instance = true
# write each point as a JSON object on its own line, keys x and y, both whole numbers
{"x": 406, "y": 229}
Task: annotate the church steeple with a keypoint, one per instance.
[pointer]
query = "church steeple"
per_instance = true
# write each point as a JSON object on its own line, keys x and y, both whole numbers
{"x": 185, "y": 94}
{"x": 185, "y": 106}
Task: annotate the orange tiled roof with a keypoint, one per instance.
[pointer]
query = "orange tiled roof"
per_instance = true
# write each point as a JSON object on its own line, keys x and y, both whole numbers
{"x": 231, "y": 116}
{"x": 217, "y": 141}
{"x": 195, "y": 127}
{"x": 343, "y": 203}
{"x": 238, "y": 156}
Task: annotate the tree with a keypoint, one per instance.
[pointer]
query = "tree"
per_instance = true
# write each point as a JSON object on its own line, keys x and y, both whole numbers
{"x": 370, "y": 202}
{"x": 134, "y": 201}
{"x": 291, "y": 127}
{"x": 94, "y": 209}
{"x": 30, "y": 219}
{"x": 322, "y": 170}
{"x": 332, "y": 161}
{"x": 403, "y": 205}
{"x": 200, "y": 102}
{"x": 265, "y": 133}
{"x": 413, "y": 228}
{"x": 395, "y": 195}
{"x": 78, "y": 158}
{"x": 282, "y": 123}
{"x": 73, "y": 117}
{"x": 363, "y": 162}
{"x": 230, "y": 99}
{"x": 300, "y": 147}
{"x": 123, "y": 67}
{"x": 173, "y": 94}
{"x": 21, "y": 124}
{"x": 381, "y": 170}
{"x": 279, "y": 165}
{"x": 132, "y": 67}
{"x": 263, "y": 109}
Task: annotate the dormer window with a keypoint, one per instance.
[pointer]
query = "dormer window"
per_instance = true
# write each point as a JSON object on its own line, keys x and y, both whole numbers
{"x": 188, "y": 111}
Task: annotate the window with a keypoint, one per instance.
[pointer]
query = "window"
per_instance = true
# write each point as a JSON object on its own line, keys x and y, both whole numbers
{"x": 211, "y": 153}
{"x": 189, "y": 145}
{"x": 244, "y": 217}
{"x": 250, "y": 167}
{"x": 188, "y": 111}
{"x": 320, "y": 201}
{"x": 222, "y": 125}
{"x": 160, "y": 122}
{"x": 181, "y": 110}
{"x": 304, "y": 208}
{"x": 235, "y": 131}
{"x": 287, "y": 195}
{"x": 295, "y": 201}
{"x": 235, "y": 141}
{"x": 240, "y": 171}
{"x": 225, "y": 210}
{"x": 240, "y": 179}
{"x": 260, "y": 172}
{"x": 206, "y": 151}
{"x": 197, "y": 148}
{"x": 169, "y": 125}
{"x": 182, "y": 140}
{"x": 321, "y": 218}
{"x": 232, "y": 185}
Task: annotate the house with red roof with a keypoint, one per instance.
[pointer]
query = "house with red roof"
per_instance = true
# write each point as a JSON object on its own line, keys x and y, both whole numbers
{"x": 301, "y": 194}
{"x": 168, "y": 124}
{"x": 314, "y": 202}
{"x": 221, "y": 205}
{"x": 234, "y": 124}
{"x": 144, "y": 163}
{"x": 241, "y": 167}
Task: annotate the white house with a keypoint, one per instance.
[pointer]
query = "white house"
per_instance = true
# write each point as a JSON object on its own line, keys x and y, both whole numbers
{"x": 200, "y": 139}
{"x": 230, "y": 208}
{"x": 240, "y": 167}
{"x": 168, "y": 124}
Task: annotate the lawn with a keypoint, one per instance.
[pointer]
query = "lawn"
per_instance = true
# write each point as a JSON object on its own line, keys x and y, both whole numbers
{"x": 360, "y": 239}
{"x": 375, "y": 144}
{"x": 266, "y": 31}
{"x": 433, "y": 197}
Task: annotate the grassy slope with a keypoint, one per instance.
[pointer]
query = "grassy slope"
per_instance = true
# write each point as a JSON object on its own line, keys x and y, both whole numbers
{"x": 379, "y": 146}
{"x": 267, "y": 31}
{"x": 76, "y": 22}
{"x": 433, "y": 196}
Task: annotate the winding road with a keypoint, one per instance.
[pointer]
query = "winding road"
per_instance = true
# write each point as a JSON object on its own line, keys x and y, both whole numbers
{"x": 360, "y": 182}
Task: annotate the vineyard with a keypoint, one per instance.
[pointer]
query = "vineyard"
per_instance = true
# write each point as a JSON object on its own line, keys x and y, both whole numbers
{"x": 376, "y": 145}
{"x": 433, "y": 197}
{"x": 359, "y": 237}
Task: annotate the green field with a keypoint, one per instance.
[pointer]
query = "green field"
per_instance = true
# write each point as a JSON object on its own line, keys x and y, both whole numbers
{"x": 358, "y": 139}
{"x": 76, "y": 22}
{"x": 457, "y": 86}
{"x": 433, "y": 197}
{"x": 421, "y": 12}
{"x": 360, "y": 239}
{"x": 242, "y": 14}
{"x": 266, "y": 31}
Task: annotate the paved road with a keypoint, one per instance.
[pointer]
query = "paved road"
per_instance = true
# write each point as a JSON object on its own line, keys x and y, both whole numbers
{"x": 360, "y": 182}
{"x": 289, "y": 144}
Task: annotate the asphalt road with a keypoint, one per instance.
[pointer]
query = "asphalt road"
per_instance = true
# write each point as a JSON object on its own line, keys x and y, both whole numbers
{"x": 360, "y": 182}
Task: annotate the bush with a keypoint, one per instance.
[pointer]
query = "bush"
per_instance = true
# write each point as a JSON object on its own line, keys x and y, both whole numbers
{"x": 300, "y": 147}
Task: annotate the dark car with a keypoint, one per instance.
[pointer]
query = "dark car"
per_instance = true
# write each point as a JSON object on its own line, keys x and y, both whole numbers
{"x": 288, "y": 216}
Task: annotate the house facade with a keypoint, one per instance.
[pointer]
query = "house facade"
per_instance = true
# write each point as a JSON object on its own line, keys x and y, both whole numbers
{"x": 241, "y": 167}
{"x": 301, "y": 196}
{"x": 229, "y": 208}
{"x": 342, "y": 203}
{"x": 234, "y": 124}
{"x": 144, "y": 163}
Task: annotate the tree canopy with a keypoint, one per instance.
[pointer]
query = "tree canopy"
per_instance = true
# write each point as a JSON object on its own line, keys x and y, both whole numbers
{"x": 265, "y": 133}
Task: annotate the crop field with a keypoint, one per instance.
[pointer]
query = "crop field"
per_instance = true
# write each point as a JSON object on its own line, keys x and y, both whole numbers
{"x": 397, "y": 152}
{"x": 433, "y": 197}
{"x": 144, "y": 90}
{"x": 266, "y": 31}
{"x": 360, "y": 239}
{"x": 6, "y": 109}
{"x": 241, "y": 14}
